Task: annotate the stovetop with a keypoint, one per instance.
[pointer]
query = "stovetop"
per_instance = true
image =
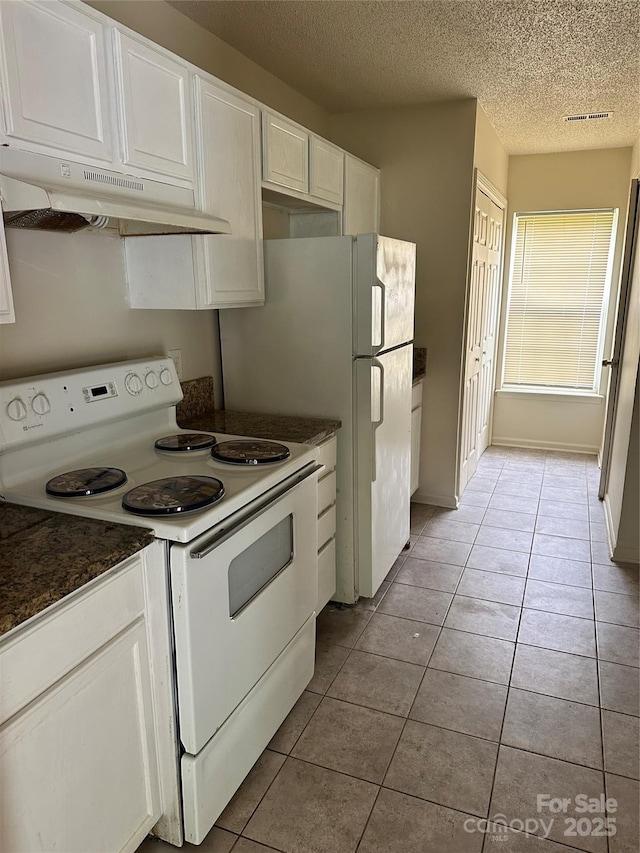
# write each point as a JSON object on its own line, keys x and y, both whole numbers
{"x": 118, "y": 429}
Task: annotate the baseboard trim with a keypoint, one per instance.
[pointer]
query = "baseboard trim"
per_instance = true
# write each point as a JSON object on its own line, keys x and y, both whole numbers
{"x": 545, "y": 445}
{"x": 626, "y": 555}
{"x": 608, "y": 521}
{"x": 619, "y": 553}
{"x": 449, "y": 501}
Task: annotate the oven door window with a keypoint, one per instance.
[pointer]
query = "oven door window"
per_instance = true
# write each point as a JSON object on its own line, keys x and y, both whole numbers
{"x": 255, "y": 567}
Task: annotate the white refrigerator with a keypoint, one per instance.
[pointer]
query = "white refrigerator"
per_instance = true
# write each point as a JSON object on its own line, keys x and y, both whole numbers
{"x": 334, "y": 339}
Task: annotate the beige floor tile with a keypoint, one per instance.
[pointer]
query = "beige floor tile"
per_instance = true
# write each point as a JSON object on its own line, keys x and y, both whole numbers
{"x": 491, "y": 586}
{"x": 514, "y": 504}
{"x": 501, "y": 838}
{"x": 522, "y": 776}
{"x": 463, "y": 704}
{"x": 559, "y": 598}
{"x": 618, "y": 644}
{"x": 471, "y": 498}
{"x": 341, "y": 625}
{"x": 626, "y": 792}
{"x": 621, "y": 744}
{"x": 429, "y": 574}
{"x": 329, "y": 659}
{"x": 217, "y": 841}
{"x": 412, "y": 602}
{"x": 245, "y": 801}
{"x": 509, "y": 520}
{"x": 562, "y": 509}
{"x": 555, "y": 631}
{"x": 403, "y": 824}
{"x": 613, "y": 578}
{"x": 445, "y": 767}
{"x": 457, "y": 531}
{"x": 377, "y": 682}
{"x": 353, "y": 740}
{"x": 598, "y": 531}
{"x": 498, "y": 560}
{"x": 553, "y": 727}
{"x": 555, "y": 674}
{"x": 483, "y": 617}
{"x": 617, "y": 609}
{"x": 565, "y": 481}
{"x": 518, "y": 490}
{"x": 245, "y": 845}
{"x": 312, "y": 808}
{"x": 557, "y": 493}
{"x": 441, "y": 550}
{"x": 509, "y": 540}
{"x": 600, "y": 553}
{"x": 571, "y": 528}
{"x": 395, "y": 568}
{"x": 473, "y": 514}
{"x": 291, "y": 729}
{"x": 420, "y": 514}
{"x": 372, "y": 604}
{"x": 478, "y": 483}
{"x": 473, "y": 655}
{"x": 561, "y": 546}
{"x": 401, "y": 639}
{"x": 619, "y": 688}
{"x": 557, "y": 570}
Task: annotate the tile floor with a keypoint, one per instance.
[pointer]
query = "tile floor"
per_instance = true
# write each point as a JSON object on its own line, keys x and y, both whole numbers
{"x": 498, "y": 661}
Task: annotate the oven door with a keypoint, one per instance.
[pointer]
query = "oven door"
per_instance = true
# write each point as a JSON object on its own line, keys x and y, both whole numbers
{"x": 240, "y": 593}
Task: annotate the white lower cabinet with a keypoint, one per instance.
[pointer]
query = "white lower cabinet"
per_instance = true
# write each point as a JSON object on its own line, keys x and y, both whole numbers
{"x": 327, "y": 523}
{"x": 416, "y": 424}
{"x": 85, "y": 734}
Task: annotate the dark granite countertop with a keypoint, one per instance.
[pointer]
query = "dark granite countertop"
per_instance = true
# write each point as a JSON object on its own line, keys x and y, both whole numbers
{"x": 47, "y": 555}
{"x": 282, "y": 427}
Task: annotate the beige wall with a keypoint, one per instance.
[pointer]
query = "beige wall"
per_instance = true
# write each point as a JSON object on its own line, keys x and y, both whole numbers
{"x": 71, "y": 310}
{"x": 490, "y": 155}
{"x": 566, "y": 181}
{"x": 166, "y": 26}
{"x": 426, "y": 157}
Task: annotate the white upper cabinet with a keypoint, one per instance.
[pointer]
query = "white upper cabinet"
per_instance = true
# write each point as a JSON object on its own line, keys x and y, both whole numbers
{"x": 326, "y": 171}
{"x": 229, "y": 181}
{"x": 153, "y": 89}
{"x": 285, "y": 153}
{"x": 361, "y": 212}
{"x": 6, "y": 301}
{"x": 56, "y": 91}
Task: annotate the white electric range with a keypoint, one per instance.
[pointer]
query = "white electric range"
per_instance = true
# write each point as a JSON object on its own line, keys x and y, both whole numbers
{"x": 238, "y": 516}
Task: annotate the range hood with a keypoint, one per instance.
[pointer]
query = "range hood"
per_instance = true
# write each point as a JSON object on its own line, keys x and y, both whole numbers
{"x": 45, "y": 193}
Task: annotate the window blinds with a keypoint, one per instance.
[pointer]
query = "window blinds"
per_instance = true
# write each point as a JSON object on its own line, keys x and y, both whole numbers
{"x": 559, "y": 277}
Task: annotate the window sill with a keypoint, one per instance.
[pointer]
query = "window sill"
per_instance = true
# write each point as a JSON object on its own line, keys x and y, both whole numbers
{"x": 542, "y": 395}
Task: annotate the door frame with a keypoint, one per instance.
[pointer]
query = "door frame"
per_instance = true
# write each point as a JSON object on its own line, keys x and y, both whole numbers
{"x": 482, "y": 183}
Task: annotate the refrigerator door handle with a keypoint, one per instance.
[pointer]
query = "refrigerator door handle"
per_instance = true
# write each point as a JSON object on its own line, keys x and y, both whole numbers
{"x": 383, "y": 314}
{"x": 376, "y": 364}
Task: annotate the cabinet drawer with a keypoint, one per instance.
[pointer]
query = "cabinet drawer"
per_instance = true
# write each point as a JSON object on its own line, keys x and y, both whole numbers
{"x": 326, "y": 492}
{"x": 326, "y": 526}
{"x": 416, "y": 395}
{"x": 36, "y": 657}
{"x": 326, "y": 574}
{"x": 327, "y": 453}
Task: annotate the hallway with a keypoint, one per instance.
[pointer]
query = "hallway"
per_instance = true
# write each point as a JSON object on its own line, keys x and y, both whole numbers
{"x": 498, "y": 662}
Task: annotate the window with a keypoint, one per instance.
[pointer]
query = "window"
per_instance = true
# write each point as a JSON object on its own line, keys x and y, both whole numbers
{"x": 558, "y": 285}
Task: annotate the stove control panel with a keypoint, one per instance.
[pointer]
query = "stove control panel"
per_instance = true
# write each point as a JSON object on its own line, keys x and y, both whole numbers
{"x": 39, "y": 408}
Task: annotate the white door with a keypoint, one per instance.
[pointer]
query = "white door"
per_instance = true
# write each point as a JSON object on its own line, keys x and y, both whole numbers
{"x": 230, "y": 186}
{"x": 56, "y": 92}
{"x": 155, "y": 108}
{"x": 483, "y": 311}
{"x": 385, "y": 293}
{"x": 81, "y": 758}
{"x": 361, "y": 210}
{"x": 285, "y": 153}
{"x": 383, "y": 463}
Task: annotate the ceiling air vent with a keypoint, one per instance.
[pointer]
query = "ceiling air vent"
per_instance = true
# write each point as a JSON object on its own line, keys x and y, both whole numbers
{"x": 588, "y": 116}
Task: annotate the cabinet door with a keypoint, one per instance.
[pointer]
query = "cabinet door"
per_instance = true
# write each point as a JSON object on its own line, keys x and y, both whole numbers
{"x": 155, "y": 108}
{"x": 81, "y": 759}
{"x": 228, "y": 144}
{"x": 7, "y": 314}
{"x": 361, "y": 213}
{"x": 326, "y": 170}
{"x": 55, "y": 89}
{"x": 285, "y": 153}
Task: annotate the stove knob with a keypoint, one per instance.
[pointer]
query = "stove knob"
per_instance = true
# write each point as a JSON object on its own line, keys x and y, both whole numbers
{"x": 16, "y": 409}
{"x": 151, "y": 379}
{"x": 40, "y": 404}
{"x": 133, "y": 384}
{"x": 165, "y": 376}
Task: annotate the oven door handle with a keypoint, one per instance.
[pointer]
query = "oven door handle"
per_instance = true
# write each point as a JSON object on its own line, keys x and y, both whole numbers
{"x": 223, "y": 533}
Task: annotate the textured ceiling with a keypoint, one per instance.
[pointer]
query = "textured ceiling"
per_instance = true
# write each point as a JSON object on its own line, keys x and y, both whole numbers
{"x": 529, "y": 62}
